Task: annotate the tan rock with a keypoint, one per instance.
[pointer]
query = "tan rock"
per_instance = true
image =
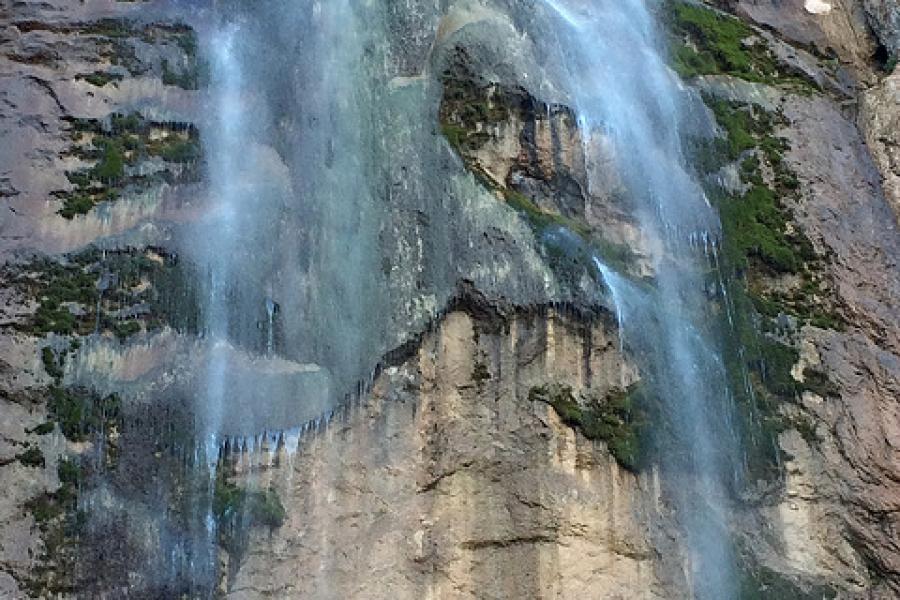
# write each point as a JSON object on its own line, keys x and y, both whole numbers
{"x": 445, "y": 486}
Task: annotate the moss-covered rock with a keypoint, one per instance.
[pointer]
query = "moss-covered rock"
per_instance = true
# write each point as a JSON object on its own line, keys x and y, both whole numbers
{"x": 57, "y": 516}
{"x": 121, "y": 292}
{"x": 704, "y": 41}
{"x": 80, "y": 411}
{"x": 239, "y": 509}
{"x": 471, "y": 112}
{"x": 32, "y": 457}
{"x": 759, "y": 239}
{"x": 773, "y": 280}
{"x": 616, "y": 419}
{"x": 116, "y": 146}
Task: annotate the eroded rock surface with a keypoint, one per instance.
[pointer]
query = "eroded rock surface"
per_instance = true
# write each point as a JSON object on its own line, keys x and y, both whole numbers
{"x": 448, "y": 479}
{"x": 475, "y": 489}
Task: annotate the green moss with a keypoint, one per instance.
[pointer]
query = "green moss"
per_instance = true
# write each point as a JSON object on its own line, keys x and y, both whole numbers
{"x": 126, "y": 329}
{"x": 470, "y": 108}
{"x": 237, "y": 510}
{"x": 61, "y": 524}
{"x": 43, "y": 428}
{"x": 100, "y": 78}
{"x": 777, "y": 361}
{"x": 758, "y": 243}
{"x": 81, "y": 412}
{"x": 186, "y": 78}
{"x": 70, "y": 287}
{"x": 707, "y": 42}
{"x": 455, "y": 135}
{"x": 739, "y": 124}
{"x": 176, "y": 149}
{"x": 47, "y": 507}
{"x": 232, "y": 504}
{"x": 755, "y": 229}
{"x": 806, "y": 428}
{"x": 891, "y": 64}
{"x": 32, "y": 457}
{"x": 718, "y": 40}
{"x": 125, "y": 140}
{"x": 110, "y": 28}
{"x": 818, "y": 383}
{"x": 76, "y": 204}
{"x": 616, "y": 419}
{"x": 69, "y": 472}
{"x": 537, "y": 218}
{"x": 758, "y": 237}
{"x": 54, "y": 285}
{"x": 43, "y": 508}
{"x": 51, "y": 365}
{"x": 111, "y": 167}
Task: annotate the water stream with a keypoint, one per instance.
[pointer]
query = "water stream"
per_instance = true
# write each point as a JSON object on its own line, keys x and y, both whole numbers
{"x": 623, "y": 90}
{"x": 290, "y": 246}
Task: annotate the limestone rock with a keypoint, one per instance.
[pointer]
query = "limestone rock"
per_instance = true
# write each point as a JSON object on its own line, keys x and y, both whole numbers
{"x": 448, "y": 482}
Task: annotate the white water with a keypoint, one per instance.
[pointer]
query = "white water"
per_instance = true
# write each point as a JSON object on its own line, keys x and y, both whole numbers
{"x": 306, "y": 240}
{"x": 621, "y": 87}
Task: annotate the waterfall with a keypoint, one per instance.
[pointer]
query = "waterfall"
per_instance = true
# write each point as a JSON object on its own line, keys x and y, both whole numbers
{"x": 220, "y": 239}
{"x": 621, "y": 88}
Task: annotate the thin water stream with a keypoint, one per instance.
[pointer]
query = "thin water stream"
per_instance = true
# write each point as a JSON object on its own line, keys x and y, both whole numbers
{"x": 622, "y": 89}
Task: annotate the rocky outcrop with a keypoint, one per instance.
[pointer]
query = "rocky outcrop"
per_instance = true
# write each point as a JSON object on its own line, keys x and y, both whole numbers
{"x": 843, "y": 205}
{"x": 884, "y": 16}
{"x": 453, "y": 473}
{"x": 880, "y": 122}
{"x": 475, "y": 490}
{"x": 95, "y": 118}
{"x": 827, "y": 528}
{"x": 837, "y": 28}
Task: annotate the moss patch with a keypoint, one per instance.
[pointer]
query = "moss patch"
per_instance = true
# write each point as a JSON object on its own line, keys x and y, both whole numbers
{"x": 116, "y": 146}
{"x": 238, "y": 510}
{"x": 769, "y": 270}
{"x": 254, "y": 507}
{"x": 32, "y": 457}
{"x": 471, "y": 109}
{"x": 707, "y": 42}
{"x": 80, "y": 411}
{"x": 121, "y": 292}
{"x": 759, "y": 238}
{"x": 616, "y": 419}
{"x": 60, "y": 522}
{"x": 100, "y": 78}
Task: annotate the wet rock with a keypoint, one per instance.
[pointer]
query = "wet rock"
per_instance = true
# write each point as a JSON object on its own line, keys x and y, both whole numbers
{"x": 475, "y": 490}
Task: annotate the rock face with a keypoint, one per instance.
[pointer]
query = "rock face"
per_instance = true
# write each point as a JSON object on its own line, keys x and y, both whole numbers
{"x": 879, "y": 122}
{"x": 884, "y": 15}
{"x": 453, "y": 473}
{"x": 519, "y": 506}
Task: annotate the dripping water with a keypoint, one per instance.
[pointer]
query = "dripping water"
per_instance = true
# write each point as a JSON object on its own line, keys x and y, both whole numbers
{"x": 623, "y": 91}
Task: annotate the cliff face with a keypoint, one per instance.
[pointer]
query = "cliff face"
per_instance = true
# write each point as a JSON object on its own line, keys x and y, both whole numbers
{"x": 410, "y": 491}
{"x": 500, "y": 449}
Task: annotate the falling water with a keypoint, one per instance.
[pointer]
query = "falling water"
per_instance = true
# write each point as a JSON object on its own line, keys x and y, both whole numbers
{"x": 622, "y": 90}
{"x": 614, "y": 283}
{"x": 228, "y": 190}
{"x": 270, "y": 326}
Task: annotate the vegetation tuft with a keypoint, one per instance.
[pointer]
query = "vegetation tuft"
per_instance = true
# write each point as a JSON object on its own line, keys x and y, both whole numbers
{"x": 121, "y": 292}
{"x": 618, "y": 419}
{"x": 238, "y": 510}
{"x": 707, "y": 42}
{"x": 773, "y": 278}
{"x": 115, "y": 147}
